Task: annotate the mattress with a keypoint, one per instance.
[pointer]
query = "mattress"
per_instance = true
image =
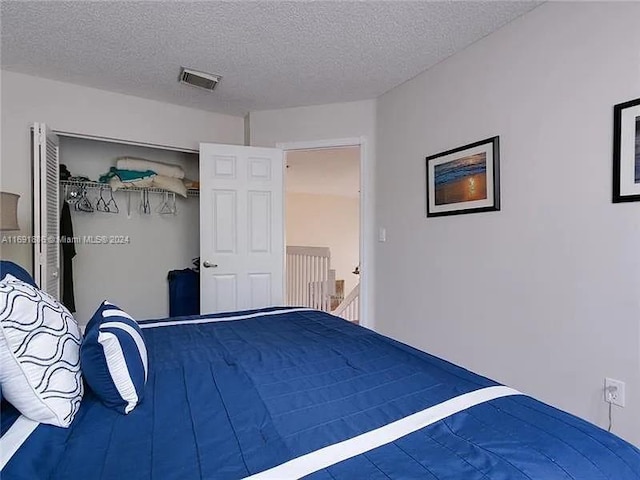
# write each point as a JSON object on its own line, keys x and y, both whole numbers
{"x": 289, "y": 393}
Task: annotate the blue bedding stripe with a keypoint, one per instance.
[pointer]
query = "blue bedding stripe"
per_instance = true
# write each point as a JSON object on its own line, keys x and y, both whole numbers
{"x": 226, "y": 400}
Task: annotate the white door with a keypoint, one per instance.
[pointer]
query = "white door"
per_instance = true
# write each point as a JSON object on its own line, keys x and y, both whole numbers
{"x": 46, "y": 210}
{"x": 241, "y": 227}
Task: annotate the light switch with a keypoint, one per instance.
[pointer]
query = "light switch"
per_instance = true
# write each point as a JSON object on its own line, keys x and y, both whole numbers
{"x": 382, "y": 234}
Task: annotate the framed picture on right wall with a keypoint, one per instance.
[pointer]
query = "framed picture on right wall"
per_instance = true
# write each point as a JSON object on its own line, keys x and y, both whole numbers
{"x": 626, "y": 152}
{"x": 465, "y": 179}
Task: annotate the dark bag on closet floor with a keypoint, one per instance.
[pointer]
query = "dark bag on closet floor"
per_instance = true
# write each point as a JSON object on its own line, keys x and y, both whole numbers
{"x": 184, "y": 292}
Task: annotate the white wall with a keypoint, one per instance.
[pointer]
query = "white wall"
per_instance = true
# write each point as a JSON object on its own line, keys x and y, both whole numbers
{"x": 156, "y": 243}
{"x": 327, "y": 221}
{"x": 543, "y": 295}
{"x": 324, "y": 122}
{"x": 66, "y": 107}
{"x": 324, "y": 171}
{"x": 316, "y": 122}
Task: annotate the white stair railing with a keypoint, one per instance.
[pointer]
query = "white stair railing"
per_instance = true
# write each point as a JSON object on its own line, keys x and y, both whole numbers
{"x": 349, "y": 308}
{"x": 321, "y": 292}
{"x": 310, "y": 280}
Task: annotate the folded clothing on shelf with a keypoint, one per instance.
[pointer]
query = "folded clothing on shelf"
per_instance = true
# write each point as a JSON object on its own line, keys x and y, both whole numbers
{"x": 191, "y": 184}
{"x": 115, "y": 183}
{"x": 64, "y": 172}
{"x": 126, "y": 175}
{"x": 171, "y": 184}
{"x": 141, "y": 164}
{"x": 117, "y": 178}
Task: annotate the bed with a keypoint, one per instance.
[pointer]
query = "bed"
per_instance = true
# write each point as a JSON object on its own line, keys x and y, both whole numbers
{"x": 291, "y": 393}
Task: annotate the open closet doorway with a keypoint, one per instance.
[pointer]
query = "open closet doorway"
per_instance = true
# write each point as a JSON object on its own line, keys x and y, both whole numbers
{"x": 322, "y": 229}
{"x": 127, "y": 241}
{"x": 117, "y": 241}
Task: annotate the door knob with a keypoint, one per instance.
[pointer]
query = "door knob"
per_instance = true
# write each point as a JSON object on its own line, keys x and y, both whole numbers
{"x": 206, "y": 264}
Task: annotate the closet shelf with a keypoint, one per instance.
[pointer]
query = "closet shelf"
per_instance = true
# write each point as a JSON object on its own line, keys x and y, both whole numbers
{"x": 191, "y": 192}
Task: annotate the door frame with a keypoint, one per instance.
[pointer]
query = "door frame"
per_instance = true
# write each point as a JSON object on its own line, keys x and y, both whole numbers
{"x": 366, "y": 213}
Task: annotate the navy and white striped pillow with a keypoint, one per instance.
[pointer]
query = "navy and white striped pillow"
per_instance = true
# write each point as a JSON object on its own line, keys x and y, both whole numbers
{"x": 113, "y": 358}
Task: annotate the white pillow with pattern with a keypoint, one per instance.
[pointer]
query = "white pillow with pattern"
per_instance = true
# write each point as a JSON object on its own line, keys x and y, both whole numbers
{"x": 39, "y": 354}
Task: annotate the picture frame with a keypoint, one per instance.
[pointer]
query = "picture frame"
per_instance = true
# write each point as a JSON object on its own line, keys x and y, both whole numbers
{"x": 626, "y": 151}
{"x": 465, "y": 179}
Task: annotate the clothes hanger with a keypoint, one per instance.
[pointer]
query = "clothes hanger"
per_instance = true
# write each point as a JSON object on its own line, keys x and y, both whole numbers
{"x": 147, "y": 204}
{"x": 145, "y": 207}
{"x": 174, "y": 205}
{"x": 164, "y": 207}
{"x": 168, "y": 205}
{"x": 112, "y": 206}
{"x": 129, "y": 204}
{"x": 101, "y": 205}
{"x": 84, "y": 204}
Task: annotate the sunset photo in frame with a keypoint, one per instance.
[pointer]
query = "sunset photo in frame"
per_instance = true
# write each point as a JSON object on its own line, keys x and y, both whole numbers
{"x": 465, "y": 179}
{"x": 626, "y": 152}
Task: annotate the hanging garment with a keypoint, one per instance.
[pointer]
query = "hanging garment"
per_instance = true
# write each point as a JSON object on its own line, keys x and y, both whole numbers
{"x": 68, "y": 252}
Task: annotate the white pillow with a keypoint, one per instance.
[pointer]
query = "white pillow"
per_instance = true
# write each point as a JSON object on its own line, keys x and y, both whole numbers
{"x": 39, "y": 354}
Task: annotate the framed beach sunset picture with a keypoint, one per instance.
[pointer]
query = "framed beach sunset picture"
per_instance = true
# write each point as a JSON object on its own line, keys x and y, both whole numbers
{"x": 465, "y": 179}
{"x": 626, "y": 152}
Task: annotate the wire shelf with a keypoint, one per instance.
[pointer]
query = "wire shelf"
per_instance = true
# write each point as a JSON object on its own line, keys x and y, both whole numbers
{"x": 191, "y": 192}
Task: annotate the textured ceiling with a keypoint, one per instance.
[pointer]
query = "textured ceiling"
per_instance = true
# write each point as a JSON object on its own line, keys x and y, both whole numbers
{"x": 272, "y": 54}
{"x": 334, "y": 171}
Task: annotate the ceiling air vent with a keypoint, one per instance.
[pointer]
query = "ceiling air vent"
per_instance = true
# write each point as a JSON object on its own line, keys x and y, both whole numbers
{"x": 207, "y": 81}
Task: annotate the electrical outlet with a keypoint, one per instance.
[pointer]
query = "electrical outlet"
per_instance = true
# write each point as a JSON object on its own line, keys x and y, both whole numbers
{"x": 614, "y": 392}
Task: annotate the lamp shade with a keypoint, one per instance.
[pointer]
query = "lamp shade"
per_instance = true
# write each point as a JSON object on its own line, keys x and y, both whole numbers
{"x": 9, "y": 211}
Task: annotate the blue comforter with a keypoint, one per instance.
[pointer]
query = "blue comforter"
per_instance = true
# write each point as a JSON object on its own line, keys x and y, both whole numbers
{"x": 228, "y": 399}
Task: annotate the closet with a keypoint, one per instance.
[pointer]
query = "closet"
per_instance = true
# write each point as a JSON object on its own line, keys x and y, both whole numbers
{"x": 234, "y": 223}
{"x": 130, "y": 242}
